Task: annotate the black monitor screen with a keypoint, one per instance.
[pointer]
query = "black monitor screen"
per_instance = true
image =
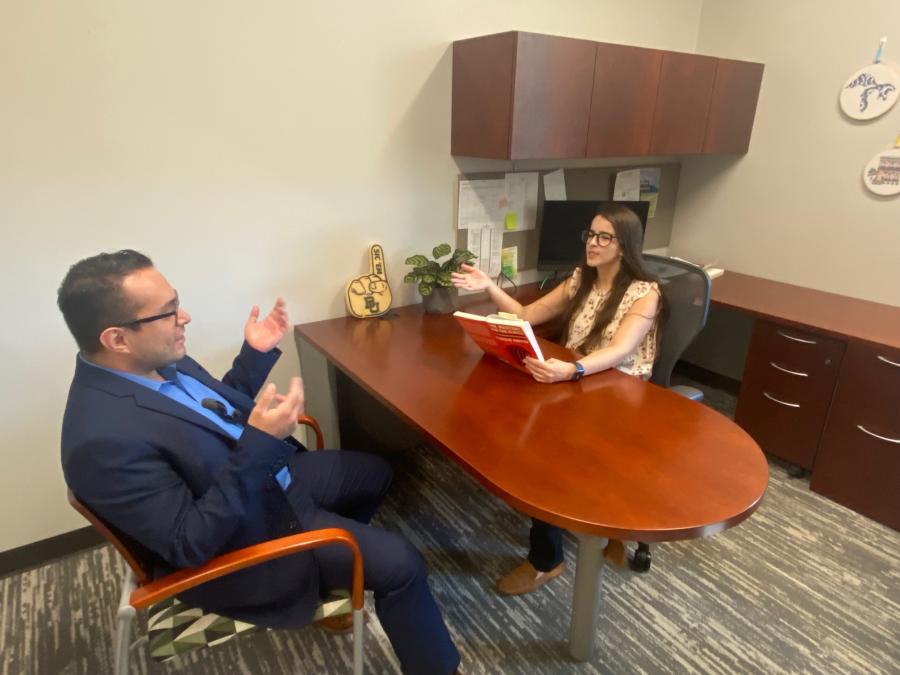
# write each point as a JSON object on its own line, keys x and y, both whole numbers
{"x": 562, "y": 223}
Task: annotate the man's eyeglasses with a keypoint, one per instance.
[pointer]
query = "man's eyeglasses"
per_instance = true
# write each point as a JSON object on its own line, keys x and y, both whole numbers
{"x": 149, "y": 319}
{"x": 604, "y": 239}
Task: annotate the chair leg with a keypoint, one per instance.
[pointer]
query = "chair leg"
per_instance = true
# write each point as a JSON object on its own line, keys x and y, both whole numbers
{"x": 124, "y": 621}
{"x": 123, "y": 644}
{"x": 359, "y": 634}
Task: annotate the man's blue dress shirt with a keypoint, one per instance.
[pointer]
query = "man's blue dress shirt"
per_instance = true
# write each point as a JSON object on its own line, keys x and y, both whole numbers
{"x": 189, "y": 391}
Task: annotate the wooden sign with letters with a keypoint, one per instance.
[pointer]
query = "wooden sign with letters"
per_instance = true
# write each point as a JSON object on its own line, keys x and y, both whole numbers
{"x": 370, "y": 295}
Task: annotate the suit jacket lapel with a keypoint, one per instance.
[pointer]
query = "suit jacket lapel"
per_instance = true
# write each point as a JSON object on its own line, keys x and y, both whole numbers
{"x": 90, "y": 376}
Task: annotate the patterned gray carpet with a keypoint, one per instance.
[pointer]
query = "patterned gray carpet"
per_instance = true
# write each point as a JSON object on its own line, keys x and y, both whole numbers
{"x": 803, "y": 586}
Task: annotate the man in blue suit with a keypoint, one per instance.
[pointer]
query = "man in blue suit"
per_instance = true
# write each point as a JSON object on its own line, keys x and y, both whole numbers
{"x": 189, "y": 467}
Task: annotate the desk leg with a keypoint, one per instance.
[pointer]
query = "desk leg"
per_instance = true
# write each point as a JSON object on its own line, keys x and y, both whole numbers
{"x": 586, "y": 596}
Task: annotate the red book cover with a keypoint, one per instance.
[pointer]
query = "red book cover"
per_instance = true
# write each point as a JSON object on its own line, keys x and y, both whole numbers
{"x": 509, "y": 340}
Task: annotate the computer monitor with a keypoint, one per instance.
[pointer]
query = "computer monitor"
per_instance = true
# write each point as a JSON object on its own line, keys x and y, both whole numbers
{"x": 562, "y": 222}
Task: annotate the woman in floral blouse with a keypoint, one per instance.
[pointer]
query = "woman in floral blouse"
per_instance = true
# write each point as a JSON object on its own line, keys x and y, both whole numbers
{"x": 610, "y": 308}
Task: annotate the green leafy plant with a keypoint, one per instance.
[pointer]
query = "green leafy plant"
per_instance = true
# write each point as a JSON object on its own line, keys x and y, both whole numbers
{"x": 430, "y": 273}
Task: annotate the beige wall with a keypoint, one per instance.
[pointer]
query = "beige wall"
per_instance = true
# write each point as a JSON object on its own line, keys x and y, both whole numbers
{"x": 251, "y": 148}
{"x": 795, "y": 208}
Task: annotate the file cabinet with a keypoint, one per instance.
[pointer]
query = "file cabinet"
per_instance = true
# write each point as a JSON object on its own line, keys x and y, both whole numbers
{"x": 858, "y": 461}
{"x": 786, "y": 390}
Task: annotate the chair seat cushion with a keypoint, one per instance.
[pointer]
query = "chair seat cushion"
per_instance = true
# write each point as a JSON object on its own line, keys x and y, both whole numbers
{"x": 174, "y": 628}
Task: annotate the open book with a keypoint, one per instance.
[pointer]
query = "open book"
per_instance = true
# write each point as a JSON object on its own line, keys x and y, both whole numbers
{"x": 509, "y": 339}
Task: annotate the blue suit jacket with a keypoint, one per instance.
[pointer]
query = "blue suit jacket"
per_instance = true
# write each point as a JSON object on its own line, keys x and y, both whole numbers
{"x": 186, "y": 491}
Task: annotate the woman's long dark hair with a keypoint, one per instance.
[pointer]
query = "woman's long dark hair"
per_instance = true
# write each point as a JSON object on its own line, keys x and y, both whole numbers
{"x": 630, "y": 236}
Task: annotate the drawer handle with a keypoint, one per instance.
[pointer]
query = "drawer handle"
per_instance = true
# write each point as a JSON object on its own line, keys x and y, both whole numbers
{"x": 883, "y": 438}
{"x": 796, "y": 339}
{"x": 785, "y": 370}
{"x": 881, "y": 358}
{"x": 789, "y": 405}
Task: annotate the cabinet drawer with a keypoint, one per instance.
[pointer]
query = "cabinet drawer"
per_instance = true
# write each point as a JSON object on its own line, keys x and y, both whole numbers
{"x": 786, "y": 390}
{"x": 868, "y": 389}
{"x": 796, "y": 350}
{"x": 858, "y": 463}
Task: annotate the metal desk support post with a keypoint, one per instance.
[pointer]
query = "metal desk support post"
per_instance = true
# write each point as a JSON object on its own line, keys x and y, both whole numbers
{"x": 586, "y": 596}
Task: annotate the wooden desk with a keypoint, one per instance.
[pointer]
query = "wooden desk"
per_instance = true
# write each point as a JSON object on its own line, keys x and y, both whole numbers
{"x": 821, "y": 388}
{"x": 828, "y": 313}
{"x": 610, "y": 456}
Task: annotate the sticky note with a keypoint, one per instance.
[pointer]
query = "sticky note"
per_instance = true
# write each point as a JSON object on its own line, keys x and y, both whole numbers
{"x": 512, "y": 221}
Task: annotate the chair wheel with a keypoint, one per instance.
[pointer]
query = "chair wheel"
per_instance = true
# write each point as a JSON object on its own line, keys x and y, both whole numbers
{"x": 797, "y": 471}
{"x": 640, "y": 561}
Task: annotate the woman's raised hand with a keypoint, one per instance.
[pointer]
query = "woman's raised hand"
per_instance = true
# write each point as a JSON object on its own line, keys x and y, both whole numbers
{"x": 471, "y": 279}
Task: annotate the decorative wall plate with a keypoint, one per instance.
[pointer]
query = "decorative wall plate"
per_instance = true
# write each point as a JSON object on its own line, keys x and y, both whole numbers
{"x": 870, "y": 91}
{"x": 882, "y": 174}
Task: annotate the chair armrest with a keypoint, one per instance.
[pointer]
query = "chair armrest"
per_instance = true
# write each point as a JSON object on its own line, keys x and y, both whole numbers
{"x": 182, "y": 580}
{"x": 311, "y": 422}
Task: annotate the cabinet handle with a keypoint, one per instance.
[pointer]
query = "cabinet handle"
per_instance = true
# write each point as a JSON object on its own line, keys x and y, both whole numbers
{"x": 789, "y": 405}
{"x": 785, "y": 370}
{"x": 881, "y": 358}
{"x": 883, "y": 438}
{"x": 796, "y": 339}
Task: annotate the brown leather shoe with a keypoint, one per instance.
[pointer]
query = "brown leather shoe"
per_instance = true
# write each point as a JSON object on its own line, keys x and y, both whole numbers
{"x": 342, "y": 623}
{"x": 615, "y": 552}
{"x": 525, "y": 578}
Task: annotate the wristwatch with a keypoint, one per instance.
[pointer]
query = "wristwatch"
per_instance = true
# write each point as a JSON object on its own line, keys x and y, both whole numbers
{"x": 579, "y": 372}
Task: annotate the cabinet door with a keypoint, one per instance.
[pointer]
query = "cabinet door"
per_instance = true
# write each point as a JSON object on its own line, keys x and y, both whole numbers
{"x": 733, "y": 107}
{"x": 786, "y": 390}
{"x": 682, "y": 104}
{"x": 858, "y": 463}
{"x": 552, "y": 99}
{"x": 625, "y": 86}
{"x": 482, "y": 96}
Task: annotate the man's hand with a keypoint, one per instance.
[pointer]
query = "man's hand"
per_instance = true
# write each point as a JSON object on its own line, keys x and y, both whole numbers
{"x": 278, "y": 420}
{"x": 551, "y": 370}
{"x": 265, "y": 335}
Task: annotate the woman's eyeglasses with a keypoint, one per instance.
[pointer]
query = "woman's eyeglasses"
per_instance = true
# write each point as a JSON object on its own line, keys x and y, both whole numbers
{"x": 604, "y": 239}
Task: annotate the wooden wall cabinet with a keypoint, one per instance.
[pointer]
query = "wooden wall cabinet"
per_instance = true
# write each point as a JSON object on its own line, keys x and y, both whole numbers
{"x": 732, "y": 107}
{"x": 682, "y": 103}
{"x": 624, "y": 96}
{"x": 523, "y": 95}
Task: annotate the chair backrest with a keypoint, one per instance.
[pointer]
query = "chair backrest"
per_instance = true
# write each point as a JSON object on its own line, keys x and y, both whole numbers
{"x": 686, "y": 289}
{"x": 124, "y": 544}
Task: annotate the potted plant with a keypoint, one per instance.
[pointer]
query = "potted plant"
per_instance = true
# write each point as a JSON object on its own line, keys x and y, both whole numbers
{"x": 433, "y": 277}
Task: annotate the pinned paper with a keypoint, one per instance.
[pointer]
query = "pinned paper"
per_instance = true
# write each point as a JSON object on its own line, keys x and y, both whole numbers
{"x": 628, "y": 186}
{"x": 486, "y": 244}
{"x": 555, "y": 185}
{"x": 481, "y": 203}
{"x": 522, "y": 192}
{"x": 509, "y": 262}
{"x": 508, "y": 203}
{"x": 650, "y": 188}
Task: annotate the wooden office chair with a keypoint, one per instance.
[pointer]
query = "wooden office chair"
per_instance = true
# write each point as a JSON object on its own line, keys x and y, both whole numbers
{"x": 174, "y": 628}
{"x": 687, "y": 289}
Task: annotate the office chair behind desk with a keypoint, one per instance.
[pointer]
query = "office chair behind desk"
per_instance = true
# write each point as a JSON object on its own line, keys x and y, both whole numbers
{"x": 686, "y": 289}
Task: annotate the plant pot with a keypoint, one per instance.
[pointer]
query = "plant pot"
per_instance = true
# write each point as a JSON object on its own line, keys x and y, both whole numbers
{"x": 441, "y": 300}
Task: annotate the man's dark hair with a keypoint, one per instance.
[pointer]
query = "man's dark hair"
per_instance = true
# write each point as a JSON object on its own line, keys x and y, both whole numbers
{"x": 91, "y": 298}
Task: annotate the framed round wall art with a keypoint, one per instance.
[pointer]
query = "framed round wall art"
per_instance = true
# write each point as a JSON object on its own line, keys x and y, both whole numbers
{"x": 871, "y": 91}
{"x": 882, "y": 173}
